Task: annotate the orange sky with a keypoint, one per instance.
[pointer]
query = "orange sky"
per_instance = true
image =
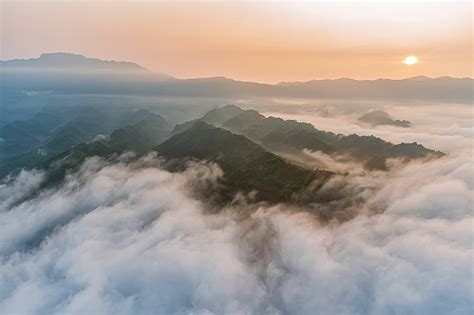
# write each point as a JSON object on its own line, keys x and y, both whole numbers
{"x": 253, "y": 41}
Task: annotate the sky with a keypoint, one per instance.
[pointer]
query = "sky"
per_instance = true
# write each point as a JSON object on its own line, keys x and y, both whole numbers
{"x": 252, "y": 41}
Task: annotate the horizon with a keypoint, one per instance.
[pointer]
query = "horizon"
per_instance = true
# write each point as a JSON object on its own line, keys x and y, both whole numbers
{"x": 282, "y": 81}
{"x": 252, "y": 41}
{"x": 236, "y": 157}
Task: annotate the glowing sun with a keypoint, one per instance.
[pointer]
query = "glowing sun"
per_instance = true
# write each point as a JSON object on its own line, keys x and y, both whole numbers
{"x": 410, "y": 60}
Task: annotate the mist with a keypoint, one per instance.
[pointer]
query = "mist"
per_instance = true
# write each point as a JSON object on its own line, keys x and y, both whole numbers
{"x": 129, "y": 237}
{"x": 236, "y": 158}
{"x": 438, "y": 125}
{"x": 132, "y": 238}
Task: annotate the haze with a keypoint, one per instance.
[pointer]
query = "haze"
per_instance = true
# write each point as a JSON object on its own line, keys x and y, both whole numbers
{"x": 262, "y": 41}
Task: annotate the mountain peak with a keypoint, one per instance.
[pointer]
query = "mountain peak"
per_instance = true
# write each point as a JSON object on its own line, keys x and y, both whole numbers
{"x": 247, "y": 166}
{"x": 61, "y": 55}
{"x": 69, "y": 61}
{"x": 419, "y": 78}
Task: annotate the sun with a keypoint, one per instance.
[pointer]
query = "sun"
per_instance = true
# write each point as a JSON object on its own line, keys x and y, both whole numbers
{"x": 410, "y": 60}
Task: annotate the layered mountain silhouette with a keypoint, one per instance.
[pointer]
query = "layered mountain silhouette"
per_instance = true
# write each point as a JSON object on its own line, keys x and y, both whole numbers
{"x": 140, "y": 132}
{"x": 248, "y": 168}
{"x": 112, "y": 77}
{"x": 72, "y": 73}
{"x": 245, "y": 144}
{"x": 68, "y": 62}
{"x": 146, "y": 131}
{"x": 290, "y": 136}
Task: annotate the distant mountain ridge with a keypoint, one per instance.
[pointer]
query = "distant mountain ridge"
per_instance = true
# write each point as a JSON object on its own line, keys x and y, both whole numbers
{"x": 420, "y": 87}
{"x": 77, "y": 64}
{"x": 70, "y": 61}
{"x": 349, "y": 80}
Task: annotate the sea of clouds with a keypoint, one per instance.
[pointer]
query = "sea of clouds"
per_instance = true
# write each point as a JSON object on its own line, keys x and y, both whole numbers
{"x": 132, "y": 238}
{"x": 447, "y": 127}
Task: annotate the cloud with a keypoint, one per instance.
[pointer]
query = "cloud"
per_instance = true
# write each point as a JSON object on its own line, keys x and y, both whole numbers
{"x": 131, "y": 238}
{"x": 14, "y": 189}
{"x": 439, "y": 126}
{"x": 334, "y": 163}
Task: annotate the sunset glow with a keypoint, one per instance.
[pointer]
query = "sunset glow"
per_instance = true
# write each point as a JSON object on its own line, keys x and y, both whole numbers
{"x": 291, "y": 157}
{"x": 293, "y": 42}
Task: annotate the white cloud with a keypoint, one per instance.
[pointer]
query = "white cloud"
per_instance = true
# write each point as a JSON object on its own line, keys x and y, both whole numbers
{"x": 14, "y": 189}
{"x": 446, "y": 127}
{"x": 130, "y": 238}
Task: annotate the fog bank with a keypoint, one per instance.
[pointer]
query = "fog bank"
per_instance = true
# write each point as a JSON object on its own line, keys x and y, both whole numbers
{"x": 130, "y": 238}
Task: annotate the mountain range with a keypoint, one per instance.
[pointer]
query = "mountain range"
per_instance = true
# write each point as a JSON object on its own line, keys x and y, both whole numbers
{"x": 247, "y": 166}
{"x": 27, "y": 143}
{"x": 68, "y": 62}
{"x": 253, "y": 151}
{"x": 257, "y": 154}
{"x": 290, "y": 136}
{"x": 110, "y": 77}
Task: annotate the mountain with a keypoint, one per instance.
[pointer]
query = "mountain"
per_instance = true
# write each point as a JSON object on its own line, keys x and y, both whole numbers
{"x": 22, "y": 135}
{"x": 142, "y": 130}
{"x": 215, "y": 116}
{"x": 72, "y": 73}
{"x": 54, "y": 131}
{"x": 131, "y": 79}
{"x": 289, "y": 136}
{"x": 68, "y": 62}
{"x": 379, "y": 117}
{"x": 422, "y": 88}
{"x": 441, "y": 89}
{"x": 419, "y": 78}
{"x": 139, "y": 137}
{"x": 247, "y": 166}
